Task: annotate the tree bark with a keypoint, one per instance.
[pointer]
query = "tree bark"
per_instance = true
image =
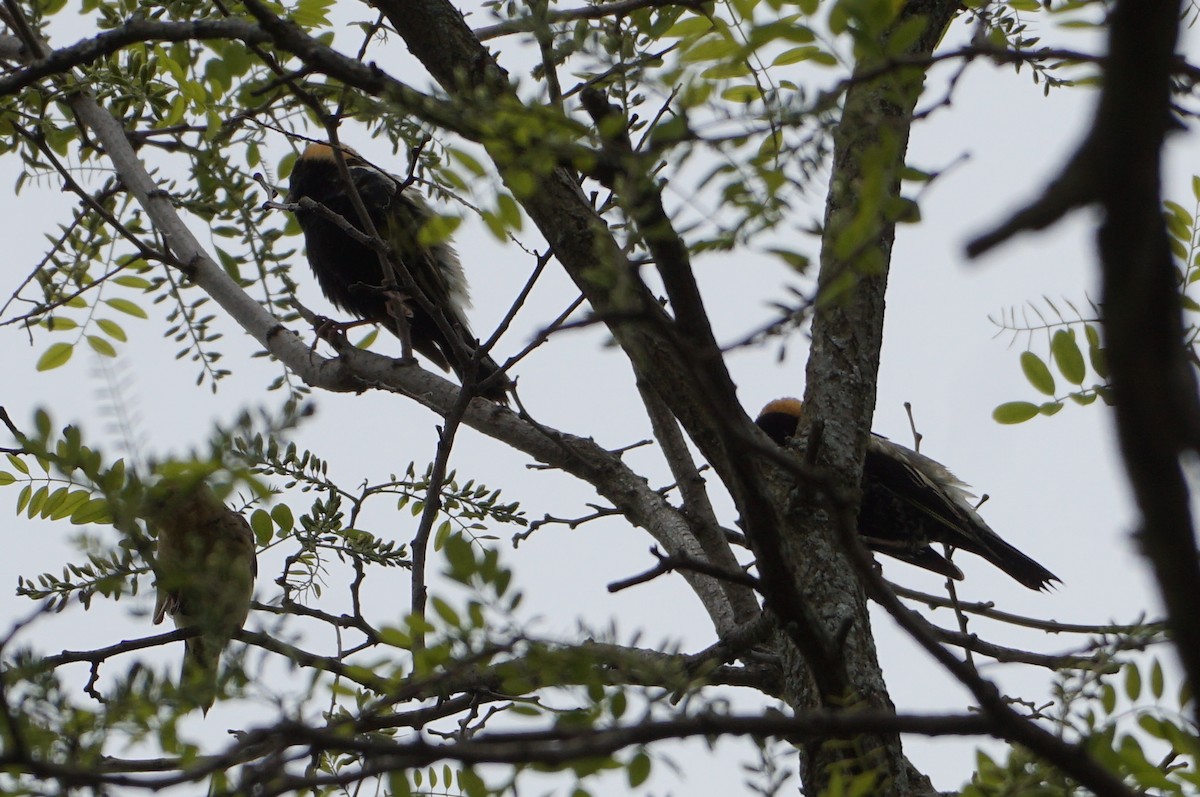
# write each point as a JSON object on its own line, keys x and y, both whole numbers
{"x": 870, "y": 142}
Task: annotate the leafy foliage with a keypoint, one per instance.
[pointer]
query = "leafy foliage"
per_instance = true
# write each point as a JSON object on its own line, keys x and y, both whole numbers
{"x": 1127, "y": 716}
{"x": 733, "y": 107}
{"x": 1062, "y": 330}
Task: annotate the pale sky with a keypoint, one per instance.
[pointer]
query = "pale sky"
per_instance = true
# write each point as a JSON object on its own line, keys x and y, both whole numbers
{"x": 1057, "y": 489}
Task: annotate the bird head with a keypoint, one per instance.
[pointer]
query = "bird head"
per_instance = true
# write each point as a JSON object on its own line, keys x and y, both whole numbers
{"x": 780, "y": 419}
{"x": 325, "y": 153}
{"x": 184, "y": 498}
{"x": 317, "y": 165}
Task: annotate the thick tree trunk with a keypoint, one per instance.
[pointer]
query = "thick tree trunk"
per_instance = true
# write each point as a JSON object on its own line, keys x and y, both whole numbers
{"x": 870, "y": 143}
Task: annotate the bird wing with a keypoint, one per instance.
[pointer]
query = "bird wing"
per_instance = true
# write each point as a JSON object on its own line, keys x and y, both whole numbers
{"x": 434, "y": 267}
{"x": 922, "y": 556}
{"x": 920, "y": 483}
{"x": 905, "y": 475}
{"x": 166, "y": 603}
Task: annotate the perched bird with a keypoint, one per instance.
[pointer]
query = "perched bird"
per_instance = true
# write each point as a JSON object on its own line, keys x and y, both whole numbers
{"x": 352, "y": 277}
{"x": 910, "y": 501}
{"x": 204, "y": 568}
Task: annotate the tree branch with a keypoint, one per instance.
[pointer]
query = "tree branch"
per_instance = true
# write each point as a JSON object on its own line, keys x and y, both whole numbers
{"x": 1154, "y": 384}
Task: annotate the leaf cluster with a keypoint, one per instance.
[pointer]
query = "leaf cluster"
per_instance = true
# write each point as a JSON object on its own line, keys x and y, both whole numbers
{"x": 1061, "y": 330}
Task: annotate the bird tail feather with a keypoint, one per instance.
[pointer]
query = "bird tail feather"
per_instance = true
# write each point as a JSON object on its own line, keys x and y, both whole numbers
{"x": 1017, "y": 564}
{"x": 198, "y": 679}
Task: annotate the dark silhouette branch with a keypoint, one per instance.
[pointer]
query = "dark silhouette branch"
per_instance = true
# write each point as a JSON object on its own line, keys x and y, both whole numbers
{"x": 1154, "y": 384}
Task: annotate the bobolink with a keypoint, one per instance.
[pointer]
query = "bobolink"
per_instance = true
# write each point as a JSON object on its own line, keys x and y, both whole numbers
{"x": 204, "y": 570}
{"x": 351, "y": 275}
{"x": 910, "y": 501}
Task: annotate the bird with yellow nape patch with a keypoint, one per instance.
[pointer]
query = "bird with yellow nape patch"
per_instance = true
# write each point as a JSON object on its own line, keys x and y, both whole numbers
{"x": 910, "y": 501}
{"x": 352, "y": 276}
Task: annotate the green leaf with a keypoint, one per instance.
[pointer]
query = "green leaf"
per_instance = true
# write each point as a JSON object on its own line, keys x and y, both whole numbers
{"x": 509, "y": 211}
{"x": 41, "y": 420}
{"x": 390, "y": 635}
{"x": 710, "y": 48}
{"x": 437, "y": 230}
{"x": 1037, "y": 372}
{"x": 398, "y": 785}
{"x": 905, "y": 35}
{"x": 127, "y": 307}
{"x": 52, "y": 503}
{"x": 795, "y": 55}
{"x": 1133, "y": 682}
{"x": 1014, "y": 412}
{"x": 55, "y": 356}
{"x": 745, "y": 8}
{"x": 796, "y": 261}
{"x": 1050, "y": 408}
{"x": 472, "y": 784}
{"x": 459, "y": 555}
{"x": 618, "y": 705}
{"x": 469, "y": 161}
{"x": 368, "y": 339}
{"x": 743, "y": 95}
{"x": 71, "y": 503}
{"x": 58, "y": 323}
{"x": 495, "y": 225}
{"x": 1178, "y": 212}
{"x": 1152, "y": 725}
{"x": 1098, "y": 357}
{"x": 132, "y": 281}
{"x": 112, "y": 329}
{"x": 690, "y": 26}
{"x": 446, "y": 612}
{"x": 1068, "y": 357}
{"x": 1108, "y": 698}
{"x": 638, "y": 770}
{"x": 282, "y": 515}
{"x": 260, "y": 522}
{"x": 36, "y": 501}
{"x": 311, "y": 13}
{"x": 101, "y": 346}
{"x": 1156, "y": 680}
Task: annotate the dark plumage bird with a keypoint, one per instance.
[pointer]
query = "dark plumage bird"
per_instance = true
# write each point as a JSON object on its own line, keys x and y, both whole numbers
{"x": 910, "y": 501}
{"x": 350, "y": 273}
{"x": 204, "y": 568}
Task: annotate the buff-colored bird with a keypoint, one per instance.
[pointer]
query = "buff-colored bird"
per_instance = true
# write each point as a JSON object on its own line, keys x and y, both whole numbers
{"x": 204, "y": 569}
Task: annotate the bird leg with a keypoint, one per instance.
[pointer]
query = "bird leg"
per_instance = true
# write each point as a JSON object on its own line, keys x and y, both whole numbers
{"x": 396, "y": 304}
{"x": 397, "y": 315}
{"x": 334, "y": 331}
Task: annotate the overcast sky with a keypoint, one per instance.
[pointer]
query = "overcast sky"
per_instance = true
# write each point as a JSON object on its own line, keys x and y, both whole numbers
{"x": 1057, "y": 490}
